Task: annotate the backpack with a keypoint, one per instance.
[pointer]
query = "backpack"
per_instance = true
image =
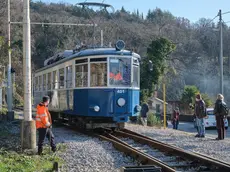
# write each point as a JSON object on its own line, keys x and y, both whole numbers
{"x": 222, "y": 109}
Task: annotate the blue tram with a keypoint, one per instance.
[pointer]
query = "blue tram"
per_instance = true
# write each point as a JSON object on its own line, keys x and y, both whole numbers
{"x": 92, "y": 87}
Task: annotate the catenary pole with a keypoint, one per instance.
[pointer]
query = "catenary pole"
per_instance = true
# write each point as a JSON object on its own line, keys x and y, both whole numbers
{"x": 164, "y": 105}
{"x": 28, "y": 124}
{"x": 27, "y": 63}
{"x": 10, "y": 113}
{"x": 221, "y": 53}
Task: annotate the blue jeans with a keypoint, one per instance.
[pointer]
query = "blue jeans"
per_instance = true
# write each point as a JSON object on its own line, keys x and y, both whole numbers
{"x": 200, "y": 126}
{"x": 175, "y": 124}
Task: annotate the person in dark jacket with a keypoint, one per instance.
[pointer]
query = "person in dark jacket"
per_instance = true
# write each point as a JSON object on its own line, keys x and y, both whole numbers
{"x": 220, "y": 112}
{"x": 144, "y": 111}
{"x": 194, "y": 116}
{"x": 175, "y": 118}
{"x": 200, "y": 112}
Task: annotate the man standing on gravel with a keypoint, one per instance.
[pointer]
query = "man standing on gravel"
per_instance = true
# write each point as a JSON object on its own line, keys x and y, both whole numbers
{"x": 44, "y": 125}
{"x": 200, "y": 112}
{"x": 221, "y": 112}
{"x": 144, "y": 111}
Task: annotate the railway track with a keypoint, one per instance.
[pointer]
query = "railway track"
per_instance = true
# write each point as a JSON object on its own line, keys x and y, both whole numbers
{"x": 151, "y": 152}
{"x": 148, "y": 151}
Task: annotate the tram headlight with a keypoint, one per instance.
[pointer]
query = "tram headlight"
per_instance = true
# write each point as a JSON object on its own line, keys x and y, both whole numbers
{"x": 96, "y": 108}
{"x": 121, "y": 102}
{"x": 120, "y": 44}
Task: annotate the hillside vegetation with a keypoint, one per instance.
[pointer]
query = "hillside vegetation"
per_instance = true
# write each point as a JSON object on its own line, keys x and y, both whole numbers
{"x": 184, "y": 53}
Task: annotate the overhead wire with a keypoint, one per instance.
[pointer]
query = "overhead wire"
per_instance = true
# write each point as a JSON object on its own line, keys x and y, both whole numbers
{"x": 92, "y": 20}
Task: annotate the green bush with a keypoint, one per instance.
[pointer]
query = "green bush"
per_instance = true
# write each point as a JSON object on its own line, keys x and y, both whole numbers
{"x": 208, "y": 101}
{"x": 139, "y": 119}
{"x": 18, "y": 100}
{"x": 3, "y": 111}
{"x": 144, "y": 94}
{"x": 189, "y": 93}
{"x": 152, "y": 120}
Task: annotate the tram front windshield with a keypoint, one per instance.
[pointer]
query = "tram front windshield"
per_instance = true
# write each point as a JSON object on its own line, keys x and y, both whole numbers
{"x": 120, "y": 71}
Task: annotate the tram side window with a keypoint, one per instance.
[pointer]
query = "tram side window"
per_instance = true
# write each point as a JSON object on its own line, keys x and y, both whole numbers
{"x": 69, "y": 77}
{"x": 81, "y": 79}
{"x": 135, "y": 76}
{"x": 36, "y": 86}
{"x": 136, "y": 71}
{"x": 61, "y": 78}
{"x": 49, "y": 81}
{"x": 55, "y": 80}
{"x": 98, "y": 74}
{"x": 44, "y": 82}
{"x": 40, "y": 83}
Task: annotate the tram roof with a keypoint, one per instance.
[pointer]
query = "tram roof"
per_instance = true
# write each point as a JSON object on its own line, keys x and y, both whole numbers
{"x": 92, "y": 52}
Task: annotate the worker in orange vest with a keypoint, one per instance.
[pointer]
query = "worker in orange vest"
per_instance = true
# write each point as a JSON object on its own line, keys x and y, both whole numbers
{"x": 44, "y": 125}
{"x": 116, "y": 77}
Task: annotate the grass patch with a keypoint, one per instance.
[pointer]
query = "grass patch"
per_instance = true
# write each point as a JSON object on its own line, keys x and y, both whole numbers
{"x": 12, "y": 160}
{"x": 21, "y": 162}
{"x": 3, "y": 111}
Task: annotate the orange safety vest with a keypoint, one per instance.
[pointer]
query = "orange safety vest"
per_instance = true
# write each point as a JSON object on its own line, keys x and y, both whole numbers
{"x": 43, "y": 118}
{"x": 116, "y": 77}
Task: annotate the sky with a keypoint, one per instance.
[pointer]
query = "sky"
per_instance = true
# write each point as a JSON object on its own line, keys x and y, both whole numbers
{"x": 190, "y": 9}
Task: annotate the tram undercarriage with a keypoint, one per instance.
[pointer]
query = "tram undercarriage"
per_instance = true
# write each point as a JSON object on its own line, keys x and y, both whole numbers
{"x": 86, "y": 122}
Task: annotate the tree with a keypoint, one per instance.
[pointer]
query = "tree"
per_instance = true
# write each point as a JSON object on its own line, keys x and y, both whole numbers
{"x": 195, "y": 59}
{"x": 159, "y": 17}
{"x": 144, "y": 94}
{"x": 208, "y": 101}
{"x": 138, "y": 14}
{"x": 157, "y": 51}
{"x": 123, "y": 10}
{"x": 188, "y": 95}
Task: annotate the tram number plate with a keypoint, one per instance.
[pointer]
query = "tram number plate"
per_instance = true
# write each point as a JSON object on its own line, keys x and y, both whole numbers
{"x": 120, "y": 91}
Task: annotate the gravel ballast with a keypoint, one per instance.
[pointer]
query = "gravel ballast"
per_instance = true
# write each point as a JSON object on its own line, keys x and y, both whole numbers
{"x": 85, "y": 154}
{"x": 89, "y": 154}
{"x": 219, "y": 149}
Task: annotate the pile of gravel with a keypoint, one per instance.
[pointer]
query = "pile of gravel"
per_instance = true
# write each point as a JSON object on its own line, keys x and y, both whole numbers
{"x": 209, "y": 146}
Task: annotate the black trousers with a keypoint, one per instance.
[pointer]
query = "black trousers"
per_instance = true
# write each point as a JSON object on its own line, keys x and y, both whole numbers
{"x": 220, "y": 127}
{"x": 42, "y": 134}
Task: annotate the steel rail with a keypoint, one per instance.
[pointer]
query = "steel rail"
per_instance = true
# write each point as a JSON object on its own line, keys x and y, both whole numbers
{"x": 174, "y": 150}
{"x": 142, "y": 157}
